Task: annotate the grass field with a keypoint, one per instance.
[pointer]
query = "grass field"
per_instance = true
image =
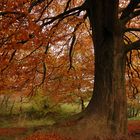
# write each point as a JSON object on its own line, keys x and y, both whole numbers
{"x": 33, "y": 117}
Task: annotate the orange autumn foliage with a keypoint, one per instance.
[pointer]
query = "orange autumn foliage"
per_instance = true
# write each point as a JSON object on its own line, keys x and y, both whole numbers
{"x": 32, "y": 56}
{"x": 37, "y": 49}
{"x": 12, "y": 131}
{"x": 43, "y": 136}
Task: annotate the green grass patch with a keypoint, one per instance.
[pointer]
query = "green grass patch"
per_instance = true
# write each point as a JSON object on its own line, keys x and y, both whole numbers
{"x": 70, "y": 108}
{"x": 21, "y": 122}
{"x": 134, "y": 118}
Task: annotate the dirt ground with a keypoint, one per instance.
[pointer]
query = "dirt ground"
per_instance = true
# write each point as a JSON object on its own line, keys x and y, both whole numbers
{"x": 30, "y": 134}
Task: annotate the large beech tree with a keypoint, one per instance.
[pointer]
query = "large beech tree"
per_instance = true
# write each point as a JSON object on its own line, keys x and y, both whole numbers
{"x": 30, "y": 30}
{"x": 110, "y": 60}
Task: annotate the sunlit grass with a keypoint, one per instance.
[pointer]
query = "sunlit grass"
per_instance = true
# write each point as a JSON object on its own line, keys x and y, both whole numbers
{"x": 135, "y": 118}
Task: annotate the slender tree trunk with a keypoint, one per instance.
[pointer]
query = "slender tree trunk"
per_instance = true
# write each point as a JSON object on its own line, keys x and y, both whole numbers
{"x": 82, "y": 104}
{"x": 3, "y": 100}
{"x": 109, "y": 98}
{"x": 12, "y": 107}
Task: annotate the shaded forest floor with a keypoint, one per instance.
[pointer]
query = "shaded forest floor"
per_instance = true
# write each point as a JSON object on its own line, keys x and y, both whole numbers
{"x": 32, "y": 133}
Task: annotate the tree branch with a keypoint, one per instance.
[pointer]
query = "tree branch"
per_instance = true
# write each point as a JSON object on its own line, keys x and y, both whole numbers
{"x": 132, "y": 29}
{"x": 48, "y": 4}
{"x": 65, "y": 14}
{"x": 129, "y": 9}
{"x": 73, "y": 42}
{"x": 11, "y": 12}
{"x": 10, "y": 60}
{"x": 71, "y": 51}
{"x": 131, "y": 16}
{"x": 34, "y": 3}
{"x": 133, "y": 46}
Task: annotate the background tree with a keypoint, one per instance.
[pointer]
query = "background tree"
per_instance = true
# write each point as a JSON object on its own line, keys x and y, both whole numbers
{"x": 34, "y": 31}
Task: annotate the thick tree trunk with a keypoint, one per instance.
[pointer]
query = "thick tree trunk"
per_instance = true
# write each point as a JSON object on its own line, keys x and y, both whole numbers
{"x": 109, "y": 99}
{"x": 106, "y": 114}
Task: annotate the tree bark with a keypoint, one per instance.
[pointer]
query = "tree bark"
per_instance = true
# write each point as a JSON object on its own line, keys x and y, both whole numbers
{"x": 108, "y": 102}
{"x": 106, "y": 114}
